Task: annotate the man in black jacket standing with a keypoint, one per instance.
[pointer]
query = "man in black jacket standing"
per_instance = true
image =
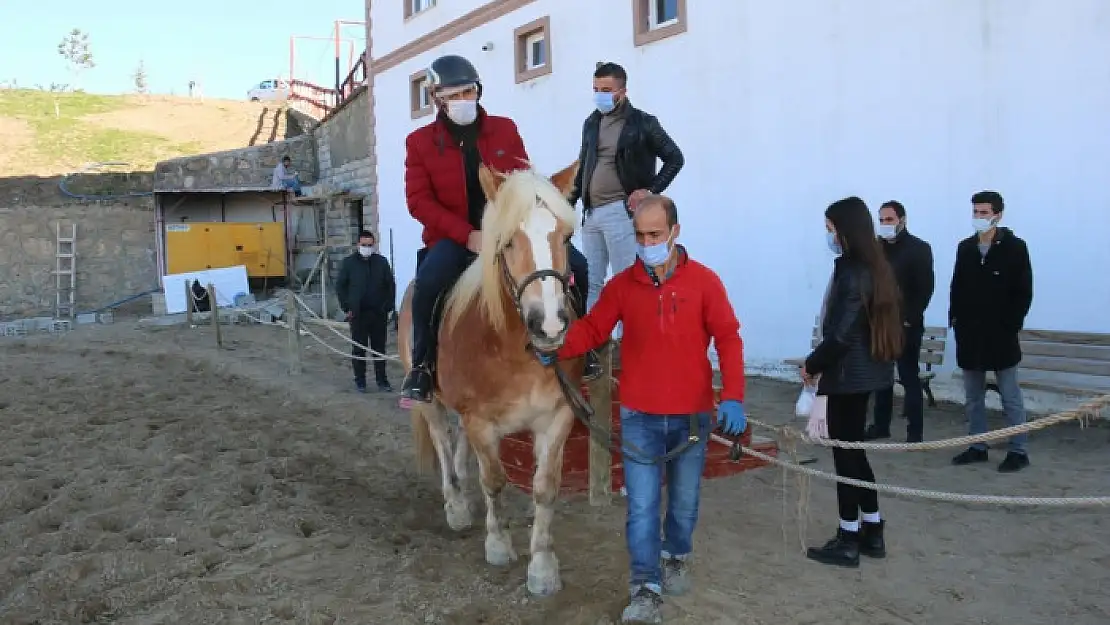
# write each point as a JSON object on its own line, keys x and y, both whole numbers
{"x": 912, "y": 261}
{"x": 366, "y": 291}
{"x": 992, "y": 290}
{"x": 620, "y": 145}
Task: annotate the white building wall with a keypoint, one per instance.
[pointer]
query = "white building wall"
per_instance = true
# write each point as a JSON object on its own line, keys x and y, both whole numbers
{"x": 783, "y": 107}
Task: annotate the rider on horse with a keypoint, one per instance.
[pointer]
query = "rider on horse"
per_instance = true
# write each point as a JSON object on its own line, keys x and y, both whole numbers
{"x": 445, "y": 195}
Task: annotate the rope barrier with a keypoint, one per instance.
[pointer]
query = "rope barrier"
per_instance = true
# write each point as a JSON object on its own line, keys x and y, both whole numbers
{"x": 934, "y": 495}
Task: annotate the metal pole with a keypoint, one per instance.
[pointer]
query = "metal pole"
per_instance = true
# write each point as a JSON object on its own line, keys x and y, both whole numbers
{"x": 292, "y": 59}
{"x": 393, "y": 270}
{"x": 338, "y": 77}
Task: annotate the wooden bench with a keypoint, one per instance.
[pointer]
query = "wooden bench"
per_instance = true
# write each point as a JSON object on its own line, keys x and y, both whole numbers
{"x": 1070, "y": 363}
{"x": 932, "y": 354}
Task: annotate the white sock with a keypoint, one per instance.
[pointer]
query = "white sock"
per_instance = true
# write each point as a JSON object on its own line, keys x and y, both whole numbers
{"x": 849, "y": 526}
{"x": 871, "y": 517}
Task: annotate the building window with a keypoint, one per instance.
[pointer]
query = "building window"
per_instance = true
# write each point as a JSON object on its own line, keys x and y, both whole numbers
{"x": 415, "y": 7}
{"x": 419, "y": 98}
{"x": 657, "y": 19}
{"x": 533, "y": 49}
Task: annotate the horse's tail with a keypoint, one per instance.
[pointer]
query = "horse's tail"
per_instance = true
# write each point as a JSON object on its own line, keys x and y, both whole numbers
{"x": 423, "y": 448}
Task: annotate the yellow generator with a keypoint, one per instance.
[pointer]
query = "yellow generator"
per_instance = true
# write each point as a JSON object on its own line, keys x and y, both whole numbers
{"x": 215, "y": 245}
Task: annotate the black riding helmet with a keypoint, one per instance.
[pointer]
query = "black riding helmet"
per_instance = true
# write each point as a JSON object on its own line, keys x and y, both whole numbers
{"x": 450, "y": 71}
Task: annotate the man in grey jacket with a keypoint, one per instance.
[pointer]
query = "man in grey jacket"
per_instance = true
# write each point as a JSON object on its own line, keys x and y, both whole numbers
{"x": 620, "y": 146}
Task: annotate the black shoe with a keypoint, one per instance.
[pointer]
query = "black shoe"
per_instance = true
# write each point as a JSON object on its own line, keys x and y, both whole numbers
{"x": 970, "y": 455}
{"x": 593, "y": 368}
{"x": 874, "y": 433}
{"x": 871, "y": 543}
{"x": 385, "y": 387}
{"x": 915, "y": 438}
{"x": 417, "y": 385}
{"x": 1013, "y": 463}
{"x": 360, "y": 386}
{"x": 842, "y": 550}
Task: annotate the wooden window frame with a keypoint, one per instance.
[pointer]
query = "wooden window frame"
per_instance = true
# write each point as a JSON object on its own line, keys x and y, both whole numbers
{"x": 409, "y": 13}
{"x": 416, "y": 85}
{"x": 520, "y": 52}
{"x": 644, "y": 33}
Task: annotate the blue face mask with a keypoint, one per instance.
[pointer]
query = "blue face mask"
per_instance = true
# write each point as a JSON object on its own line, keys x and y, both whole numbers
{"x": 604, "y": 102}
{"x": 834, "y": 244}
{"x": 655, "y": 255}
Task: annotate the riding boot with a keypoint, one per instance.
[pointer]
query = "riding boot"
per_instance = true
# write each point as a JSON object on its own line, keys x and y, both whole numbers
{"x": 593, "y": 367}
{"x": 417, "y": 385}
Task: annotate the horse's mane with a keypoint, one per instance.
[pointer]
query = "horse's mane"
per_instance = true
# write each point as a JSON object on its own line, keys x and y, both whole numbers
{"x": 516, "y": 197}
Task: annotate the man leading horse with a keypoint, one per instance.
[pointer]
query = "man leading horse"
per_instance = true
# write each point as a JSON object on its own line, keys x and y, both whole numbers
{"x": 444, "y": 193}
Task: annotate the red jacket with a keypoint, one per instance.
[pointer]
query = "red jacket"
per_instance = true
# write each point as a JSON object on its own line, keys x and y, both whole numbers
{"x": 665, "y": 368}
{"x": 435, "y": 183}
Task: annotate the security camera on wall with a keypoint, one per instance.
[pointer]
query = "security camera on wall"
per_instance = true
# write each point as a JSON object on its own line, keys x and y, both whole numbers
{"x": 487, "y": 46}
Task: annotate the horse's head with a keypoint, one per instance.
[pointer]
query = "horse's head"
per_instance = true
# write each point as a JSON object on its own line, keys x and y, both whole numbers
{"x": 526, "y": 230}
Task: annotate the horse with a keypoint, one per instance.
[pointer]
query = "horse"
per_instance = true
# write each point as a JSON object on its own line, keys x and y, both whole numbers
{"x": 514, "y": 299}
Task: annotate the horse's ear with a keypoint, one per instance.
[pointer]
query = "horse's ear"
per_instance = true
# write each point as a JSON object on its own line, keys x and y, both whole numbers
{"x": 564, "y": 180}
{"x": 491, "y": 181}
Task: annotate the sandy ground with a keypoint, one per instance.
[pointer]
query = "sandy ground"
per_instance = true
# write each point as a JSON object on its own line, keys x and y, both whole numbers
{"x": 214, "y": 124}
{"x": 147, "y": 478}
{"x": 15, "y": 136}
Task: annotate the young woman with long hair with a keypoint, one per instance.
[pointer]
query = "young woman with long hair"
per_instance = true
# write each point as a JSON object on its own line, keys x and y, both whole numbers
{"x": 861, "y": 336}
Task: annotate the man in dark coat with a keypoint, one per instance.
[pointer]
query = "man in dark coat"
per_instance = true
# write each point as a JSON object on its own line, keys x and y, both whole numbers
{"x": 912, "y": 261}
{"x": 992, "y": 290}
{"x": 367, "y": 291}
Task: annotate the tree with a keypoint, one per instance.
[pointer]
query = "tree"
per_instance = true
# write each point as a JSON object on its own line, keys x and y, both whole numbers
{"x": 139, "y": 76}
{"x": 74, "y": 48}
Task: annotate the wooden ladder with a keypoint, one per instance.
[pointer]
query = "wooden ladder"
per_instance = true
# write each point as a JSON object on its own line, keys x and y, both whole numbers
{"x": 65, "y": 271}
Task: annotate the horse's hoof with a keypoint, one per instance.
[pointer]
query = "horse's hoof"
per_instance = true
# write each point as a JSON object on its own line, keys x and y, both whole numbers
{"x": 499, "y": 551}
{"x": 543, "y": 575}
{"x": 458, "y": 515}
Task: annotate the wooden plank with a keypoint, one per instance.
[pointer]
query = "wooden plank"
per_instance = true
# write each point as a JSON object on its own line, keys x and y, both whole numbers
{"x": 600, "y": 455}
{"x": 936, "y": 332}
{"x": 1067, "y": 365}
{"x": 1065, "y": 350}
{"x": 293, "y": 344}
{"x": 339, "y": 325}
{"x": 1068, "y": 383}
{"x": 1055, "y": 336}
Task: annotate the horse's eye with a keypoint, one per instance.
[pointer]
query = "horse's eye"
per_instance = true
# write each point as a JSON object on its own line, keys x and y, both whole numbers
{"x": 509, "y": 245}
{"x": 566, "y": 240}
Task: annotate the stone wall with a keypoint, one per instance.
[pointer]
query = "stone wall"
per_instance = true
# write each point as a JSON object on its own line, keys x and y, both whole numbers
{"x": 115, "y": 242}
{"x": 344, "y": 144}
{"x": 244, "y": 169}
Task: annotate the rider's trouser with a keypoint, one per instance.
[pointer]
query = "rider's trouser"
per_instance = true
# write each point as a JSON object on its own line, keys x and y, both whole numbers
{"x": 438, "y": 270}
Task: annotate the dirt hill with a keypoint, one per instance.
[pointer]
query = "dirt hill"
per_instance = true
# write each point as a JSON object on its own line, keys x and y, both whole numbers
{"x": 45, "y": 134}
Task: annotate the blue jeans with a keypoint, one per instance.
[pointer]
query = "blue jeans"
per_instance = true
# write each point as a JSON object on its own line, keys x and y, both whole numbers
{"x": 655, "y": 435}
{"x": 1013, "y": 403}
{"x": 293, "y": 183}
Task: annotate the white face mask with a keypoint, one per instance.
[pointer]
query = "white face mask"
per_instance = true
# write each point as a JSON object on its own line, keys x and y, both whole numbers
{"x": 365, "y": 250}
{"x": 462, "y": 112}
{"x": 888, "y": 231}
{"x": 982, "y": 224}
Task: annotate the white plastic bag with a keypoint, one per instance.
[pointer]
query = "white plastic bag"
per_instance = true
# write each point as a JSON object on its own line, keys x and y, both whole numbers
{"x": 818, "y": 425}
{"x": 805, "y": 401}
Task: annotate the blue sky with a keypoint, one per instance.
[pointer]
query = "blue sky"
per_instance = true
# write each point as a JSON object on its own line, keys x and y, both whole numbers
{"x": 226, "y": 45}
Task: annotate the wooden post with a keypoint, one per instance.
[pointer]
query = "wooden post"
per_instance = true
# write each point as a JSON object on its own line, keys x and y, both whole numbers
{"x": 324, "y": 274}
{"x": 601, "y": 456}
{"x": 215, "y": 315}
{"x": 188, "y": 303}
{"x": 292, "y": 315}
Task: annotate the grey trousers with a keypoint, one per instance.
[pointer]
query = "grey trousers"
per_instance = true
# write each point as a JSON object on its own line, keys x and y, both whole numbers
{"x": 1013, "y": 404}
{"x": 608, "y": 242}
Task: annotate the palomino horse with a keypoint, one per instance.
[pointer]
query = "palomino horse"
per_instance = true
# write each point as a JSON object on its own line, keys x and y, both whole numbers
{"x": 512, "y": 300}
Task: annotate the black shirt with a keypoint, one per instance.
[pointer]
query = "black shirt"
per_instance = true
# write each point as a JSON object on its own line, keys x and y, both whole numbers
{"x": 467, "y": 138}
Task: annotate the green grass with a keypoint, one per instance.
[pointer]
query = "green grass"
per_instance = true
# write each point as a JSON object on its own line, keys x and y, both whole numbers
{"x": 65, "y": 138}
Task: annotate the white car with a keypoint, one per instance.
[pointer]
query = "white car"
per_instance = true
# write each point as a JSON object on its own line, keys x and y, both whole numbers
{"x": 269, "y": 90}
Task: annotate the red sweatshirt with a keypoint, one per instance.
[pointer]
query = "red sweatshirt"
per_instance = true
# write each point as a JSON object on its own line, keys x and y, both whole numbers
{"x": 665, "y": 367}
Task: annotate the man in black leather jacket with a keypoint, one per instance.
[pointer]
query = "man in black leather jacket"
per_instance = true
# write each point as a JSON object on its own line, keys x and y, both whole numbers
{"x": 912, "y": 261}
{"x": 620, "y": 146}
